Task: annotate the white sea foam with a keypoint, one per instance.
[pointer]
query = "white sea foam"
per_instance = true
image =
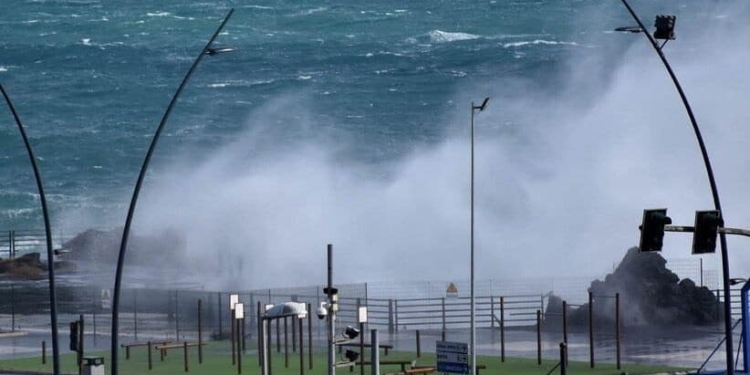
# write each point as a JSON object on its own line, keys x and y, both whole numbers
{"x": 158, "y": 14}
{"x": 307, "y": 12}
{"x": 30, "y": 21}
{"x": 304, "y": 78}
{"x": 537, "y": 41}
{"x": 86, "y": 41}
{"x": 3, "y": 69}
{"x": 253, "y": 6}
{"x": 437, "y": 36}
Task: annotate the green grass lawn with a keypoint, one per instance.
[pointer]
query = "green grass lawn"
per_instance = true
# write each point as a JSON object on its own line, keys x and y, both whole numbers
{"x": 217, "y": 360}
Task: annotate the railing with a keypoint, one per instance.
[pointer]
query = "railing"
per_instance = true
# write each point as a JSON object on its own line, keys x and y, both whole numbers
{"x": 15, "y": 243}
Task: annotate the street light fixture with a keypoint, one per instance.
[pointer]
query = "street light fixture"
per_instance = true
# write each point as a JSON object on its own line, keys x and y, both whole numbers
{"x": 665, "y": 30}
{"x": 473, "y": 338}
{"x": 207, "y": 50}
{"x": 48, "y": 235}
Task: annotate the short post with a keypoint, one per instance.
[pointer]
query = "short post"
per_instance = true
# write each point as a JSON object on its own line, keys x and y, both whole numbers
{"x": 244, "y": 342}
{"x": 539, "y": 337}
{"x": 442, "y": 335}
{"x": 591, "y": 328}
{"x": 502, "y": 329}
{"x": 419, "y": 349}
{"x": 150, "y": 362}
{"x": 200, "y": 331}
{"x": 374, "y": 352}
{"x": 44, "y": 352}
{"x": 80, "y": 344}
{"x": 617, "y": 328}
{"x": 563, "y": 358}
{"x": 362, "y": 348}
{"x": 12, "y": 306}
{"x": 443, "y": 306}
{"x": 185, "y": 355}
{"x": 294, "y": 336}
{"x": 177, "y": 314}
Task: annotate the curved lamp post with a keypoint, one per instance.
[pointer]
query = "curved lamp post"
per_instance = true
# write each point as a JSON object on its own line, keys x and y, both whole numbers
{"x": 665, "y": 24}
{"x": 207, "y": 50}
{"x": 48, "y": 235}
{"x": 473, "y": 329}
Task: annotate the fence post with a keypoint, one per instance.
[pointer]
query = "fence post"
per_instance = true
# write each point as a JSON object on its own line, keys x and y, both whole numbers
{"x": 135, "y": 313}
{"x": 565, "y": 328}
{"x": 390, "y": 316}
{"x": 502, "y": 329}
{"x": 200, "y": 331}
{"x": 286, "y": 342}
{"x": 261, "y": 348}
{"x": 150, "y": 362}
{"x": 539, "y": 337}
{"x": 185, "y": 355}
{"x": 177, "y": 314}
{"x": 44, "y": 352}
{"x": 221, "y": 331}
{"x": 591, "y": 328}
{"x": 563, "y": 358}
{"x": 492, "y": 312}
{"x": 617, "y": 327}
{"x": 395, "y": 314}
{"x": 302, "y": 345}
{"x": 309, "y": 336}
{"x": 443, "y": 302}
{"x": 12, "y": 248}
{"x": 419, "y": 348}
{"x": 12, "y": 307}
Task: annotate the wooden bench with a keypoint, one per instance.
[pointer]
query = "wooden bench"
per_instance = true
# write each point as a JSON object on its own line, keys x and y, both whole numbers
{"x": 140, "y": 343}
{"x": 403, "y": 363}
{"x": 416, "y": 370}
{"x": 163, "y": 348}
{"x": 385, "y": 347}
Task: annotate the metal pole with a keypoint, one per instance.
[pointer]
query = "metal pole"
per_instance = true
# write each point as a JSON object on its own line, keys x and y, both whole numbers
{"x": 374, "y": 352}
{"x": 591, "y": 328}
{"x": 48, "y": 235}
{"x": 286, "y": 343}
{"x": 502, "y": 329}
{"x": 563, "y": 358}
{"x": 714, "y": 190}
{"x": 200, "y": 330}
{"x": 331, "y": 315}
{"x": 309, "y": 336}
{"x": 617, "y": 327}
{"x": 565, "y": 326}
{"x": 539, "y": 337}
{"x": 134, "y": 199}
{"x": 302, "y": 346}
{"x": 472, "y": 339}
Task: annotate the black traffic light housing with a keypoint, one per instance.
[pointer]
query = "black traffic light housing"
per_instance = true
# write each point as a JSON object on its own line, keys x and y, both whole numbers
{"x": 652, "y": 229}
{"x": 74, "y": 336}
{"x": 664, "y": 27}
{"x": 707, "y": 225}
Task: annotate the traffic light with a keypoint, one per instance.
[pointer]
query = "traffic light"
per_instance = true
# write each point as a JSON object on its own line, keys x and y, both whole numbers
{"x": 652, "y": 229}
{"x": 74, "y": 336}
{"x": 707, "y": 225}
{"x": 664, "y": 27}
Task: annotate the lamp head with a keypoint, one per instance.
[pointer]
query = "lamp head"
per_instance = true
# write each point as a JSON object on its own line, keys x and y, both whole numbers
{"x": 350, "y": 333}
{"x": 351, "y": 355}
{"x": 482, "y": 106}
{"x": 664, "y": 27}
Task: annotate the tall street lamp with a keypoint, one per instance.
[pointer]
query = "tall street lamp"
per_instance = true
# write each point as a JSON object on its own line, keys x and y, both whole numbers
{"x": 207, "y": 50}
{"x": 48, "y": 234}
{"x": 665, "y": 31}
{"x": 473, "y": 333}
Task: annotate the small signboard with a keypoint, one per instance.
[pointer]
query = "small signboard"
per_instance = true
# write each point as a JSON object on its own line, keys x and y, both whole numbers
{"x": 452, "y": 357}
{"x": 106, "y": 300}
{"x": 451, "y": 291}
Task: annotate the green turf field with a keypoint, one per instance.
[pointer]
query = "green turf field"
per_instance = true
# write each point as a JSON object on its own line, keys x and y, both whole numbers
{"x": 217, "y": 361}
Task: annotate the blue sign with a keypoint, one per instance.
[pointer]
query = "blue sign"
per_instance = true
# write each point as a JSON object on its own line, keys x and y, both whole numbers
{"x": 452, "y": 357}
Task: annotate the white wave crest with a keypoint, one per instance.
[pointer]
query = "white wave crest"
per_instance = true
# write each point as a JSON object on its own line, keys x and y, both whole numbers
{"x": 158, "y": 14}
{"x": 86, "y": 41}
{"x": 437, "y": 36}
{"x": 538, "y": 41}
{"x": 3, "y": 69}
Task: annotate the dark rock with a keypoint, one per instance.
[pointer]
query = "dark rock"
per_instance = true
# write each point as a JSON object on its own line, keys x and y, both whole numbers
{"x": 28, "y": 266}
{"x": 650, "y": 294}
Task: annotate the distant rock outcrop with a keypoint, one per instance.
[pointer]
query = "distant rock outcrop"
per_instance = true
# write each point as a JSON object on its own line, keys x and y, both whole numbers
{"x": 650, "y": 294}
{"x": 28, "y": 266}
{"x": 167, "y": 247}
